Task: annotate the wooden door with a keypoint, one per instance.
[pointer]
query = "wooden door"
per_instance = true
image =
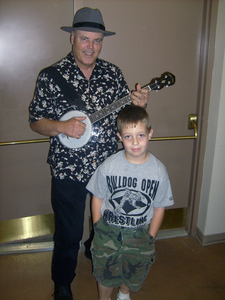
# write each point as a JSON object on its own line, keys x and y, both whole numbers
{"x": 152, "y": 37}
{"x": 30, "y": 39}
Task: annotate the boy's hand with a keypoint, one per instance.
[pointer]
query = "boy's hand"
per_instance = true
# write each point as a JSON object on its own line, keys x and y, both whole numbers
{"x": 96, "y": 204}
{"x": 156, "y": 221}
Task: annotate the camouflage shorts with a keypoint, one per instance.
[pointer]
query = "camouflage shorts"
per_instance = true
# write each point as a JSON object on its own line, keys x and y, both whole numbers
{"x": 121, "y": 255}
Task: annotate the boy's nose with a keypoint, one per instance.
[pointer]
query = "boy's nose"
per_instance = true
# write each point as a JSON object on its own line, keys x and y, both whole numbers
{"x": 135, "y": 141}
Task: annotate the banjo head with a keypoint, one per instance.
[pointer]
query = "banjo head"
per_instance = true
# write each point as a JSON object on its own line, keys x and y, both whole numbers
{"x": 73, "y": 142}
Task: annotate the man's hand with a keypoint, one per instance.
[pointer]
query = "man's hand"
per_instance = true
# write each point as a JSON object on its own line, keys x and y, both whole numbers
{"x": 140, "y": 96}
{"x": 73, "y": 127}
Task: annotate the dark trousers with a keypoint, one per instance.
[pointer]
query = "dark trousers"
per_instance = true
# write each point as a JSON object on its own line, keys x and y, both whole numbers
{"x": 68, "y": 202}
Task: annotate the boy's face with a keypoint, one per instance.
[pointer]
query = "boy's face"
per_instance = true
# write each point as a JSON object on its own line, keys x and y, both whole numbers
{"x": 135, "y": 140}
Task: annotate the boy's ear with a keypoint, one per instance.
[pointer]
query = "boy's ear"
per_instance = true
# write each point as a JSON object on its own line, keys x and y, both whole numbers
{"x": 119, "y": 136}
{"x": 150, "y": 134}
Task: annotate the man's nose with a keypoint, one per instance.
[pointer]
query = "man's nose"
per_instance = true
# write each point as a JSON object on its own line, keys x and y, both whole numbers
{"x": 91, "y": 45}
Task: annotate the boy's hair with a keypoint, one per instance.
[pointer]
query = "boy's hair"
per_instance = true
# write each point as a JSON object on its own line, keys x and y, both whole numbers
{"x": 132, "y": 114}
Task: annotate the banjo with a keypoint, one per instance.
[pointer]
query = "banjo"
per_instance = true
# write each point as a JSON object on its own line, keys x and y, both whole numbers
{"x": 167, "y": 79}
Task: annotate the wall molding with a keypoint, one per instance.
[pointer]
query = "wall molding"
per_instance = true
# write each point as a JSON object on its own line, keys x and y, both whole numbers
{"x": 210, "y": 239}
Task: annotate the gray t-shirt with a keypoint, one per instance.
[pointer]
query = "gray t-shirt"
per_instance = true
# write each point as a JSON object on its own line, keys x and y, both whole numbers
{"x": 129, "y": 191}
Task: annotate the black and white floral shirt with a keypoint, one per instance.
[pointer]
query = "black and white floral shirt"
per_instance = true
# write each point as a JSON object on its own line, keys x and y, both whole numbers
{"x": 106, "y": 85}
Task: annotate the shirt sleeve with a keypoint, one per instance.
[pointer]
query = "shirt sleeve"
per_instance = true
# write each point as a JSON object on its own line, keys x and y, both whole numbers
{"x": 97, "y": 185}
{"x": 42, "y": 102}
{"x": 164, "y": 196}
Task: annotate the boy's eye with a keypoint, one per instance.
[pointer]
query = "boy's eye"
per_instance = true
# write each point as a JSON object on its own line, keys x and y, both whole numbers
{"x": 141, "y": 135}
{"x": 127, "y": 136}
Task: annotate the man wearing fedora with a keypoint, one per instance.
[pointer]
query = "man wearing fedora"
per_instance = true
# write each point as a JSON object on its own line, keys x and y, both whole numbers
{"x": 82, "y": 82}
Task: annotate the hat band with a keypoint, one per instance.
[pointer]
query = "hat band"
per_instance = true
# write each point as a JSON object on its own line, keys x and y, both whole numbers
{"x": 89, "y": 24}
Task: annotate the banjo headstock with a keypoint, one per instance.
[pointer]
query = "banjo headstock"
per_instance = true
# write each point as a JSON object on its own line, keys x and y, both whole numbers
{"x": 165, "y": 80}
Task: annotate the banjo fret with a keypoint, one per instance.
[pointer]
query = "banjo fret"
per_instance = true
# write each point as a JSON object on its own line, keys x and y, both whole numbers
{"x": 98, "y": 115}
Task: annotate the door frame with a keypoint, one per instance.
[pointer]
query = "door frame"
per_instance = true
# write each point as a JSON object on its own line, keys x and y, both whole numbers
{"x": 207, "y": 53}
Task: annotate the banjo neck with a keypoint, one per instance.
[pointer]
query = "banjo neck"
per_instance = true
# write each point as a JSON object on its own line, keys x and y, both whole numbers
{"x": 98, "y": 115}
{"x": 166, "y": 79}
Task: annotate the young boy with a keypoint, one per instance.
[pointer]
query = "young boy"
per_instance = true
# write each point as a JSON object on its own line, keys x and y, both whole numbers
{"x": 130, "y": 192}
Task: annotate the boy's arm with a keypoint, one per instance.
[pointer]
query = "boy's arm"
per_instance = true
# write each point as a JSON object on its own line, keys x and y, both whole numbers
{"x": 156, "y": 220}
{"x": 96, "y": 207}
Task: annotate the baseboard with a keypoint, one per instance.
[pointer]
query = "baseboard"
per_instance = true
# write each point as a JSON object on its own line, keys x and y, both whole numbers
{"x": 171, "y": 233}
{"x": 31, "y": 245}
{"x": 210, "y": 239}
{"x": 21, "y": 248}
{"x": 45, "y": 243}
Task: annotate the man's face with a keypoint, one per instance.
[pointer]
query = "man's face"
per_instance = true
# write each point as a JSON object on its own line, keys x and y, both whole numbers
{"x": 86, "y": 48}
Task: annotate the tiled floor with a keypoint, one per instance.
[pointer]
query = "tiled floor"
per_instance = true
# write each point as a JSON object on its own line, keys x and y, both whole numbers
{"x": 184, "y": 270}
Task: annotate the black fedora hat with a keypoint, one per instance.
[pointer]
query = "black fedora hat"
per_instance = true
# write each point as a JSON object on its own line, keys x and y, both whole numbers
{"x": 88, "y": 19}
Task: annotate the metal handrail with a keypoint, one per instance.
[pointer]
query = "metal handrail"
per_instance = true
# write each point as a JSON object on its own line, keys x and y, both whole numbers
{"x": 191, "y": 137}
{"x": 24, "y": 142}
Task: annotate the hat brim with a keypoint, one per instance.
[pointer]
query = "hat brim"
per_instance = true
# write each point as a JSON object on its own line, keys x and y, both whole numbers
{"x": 90, "y": 29}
